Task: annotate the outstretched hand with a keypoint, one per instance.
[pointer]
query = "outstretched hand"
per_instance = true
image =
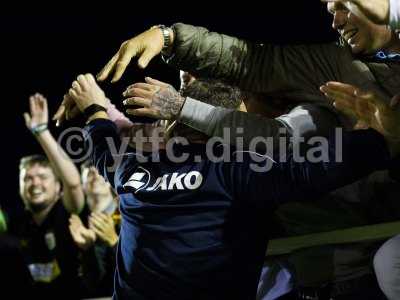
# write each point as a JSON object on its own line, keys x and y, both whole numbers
{"x": 38, "y": 111}
{"x": 143, "y": 47}
{"x": 159, "y": 100}
{"x": 379, "y": 114}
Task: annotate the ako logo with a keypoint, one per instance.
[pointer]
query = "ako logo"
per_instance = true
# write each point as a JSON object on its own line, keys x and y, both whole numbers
{"x": 141, "y": 180}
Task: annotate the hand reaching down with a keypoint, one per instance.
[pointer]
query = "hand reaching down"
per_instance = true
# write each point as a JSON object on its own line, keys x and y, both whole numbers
{"x": 143, "y": 47}
{"x": 159, "y": 100}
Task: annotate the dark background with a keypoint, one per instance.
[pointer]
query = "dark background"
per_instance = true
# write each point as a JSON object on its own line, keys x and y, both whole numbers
{"x": 44, "y": 52}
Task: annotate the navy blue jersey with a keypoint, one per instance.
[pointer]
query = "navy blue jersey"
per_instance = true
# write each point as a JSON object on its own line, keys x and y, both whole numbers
{"x": 199, "y": 229}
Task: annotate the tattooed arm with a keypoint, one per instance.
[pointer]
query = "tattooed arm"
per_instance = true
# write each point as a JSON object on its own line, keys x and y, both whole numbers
{"x": 158, "y": 100}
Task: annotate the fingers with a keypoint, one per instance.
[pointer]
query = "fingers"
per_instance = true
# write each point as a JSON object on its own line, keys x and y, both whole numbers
{"x": 144, "y": 112}
{"x": 43, "y": 104}
{"x": 61, "y": 110}
{"x": 32, "y": 105}
{"x": 68, "y": 108}
{"x": 76, "y": 87}
{"x": 127, "y": 51}
{"x": 74, "y": 227}
{"x": 105, "y": 72}
{"x": 349, "y": 100}
{"x": 345, "y": 108}
{"x": 342, "y": 96}
{"x": 137, "y": 101}
{"x": 349, "y": 93}
{"x": 156, "y": 82}
{"x": 146, "y": 57}
{"x": 145, "y": 87}
{"x": 335, "y": 96}
{"x": 98, "y": 221}
{"x": 144, "y": 46}
{"x": 151, "y": 86}
{"x": 74, "y": 233}
{"x": 75, "y": 219}
{"x": 59, "y": 117}
{"x": 68, "y": 104}
{"x": 100, "y": 216}
{"x": 98, "y": 232}
{"x": 142, "y": 93}
{"x": 89, "y": 235}
{"x": 72, "y": 93}
{"x": 141, "y": 90}
{"x": 38, "y": 108}
{"x": 40, "y": 98}
{"x": 82, "y": 82}
{"x": 120, "y": 69}
{"x": 338, "y": 91}
{"x": 90, "y": 78}
{"x": 339, "y": 87}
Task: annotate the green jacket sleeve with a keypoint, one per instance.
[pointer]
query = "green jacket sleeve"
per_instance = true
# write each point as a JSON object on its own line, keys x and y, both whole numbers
{"x": 295, "y": 72}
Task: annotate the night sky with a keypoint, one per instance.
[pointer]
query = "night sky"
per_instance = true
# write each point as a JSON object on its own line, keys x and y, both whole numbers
{"x": 44, "y": 52}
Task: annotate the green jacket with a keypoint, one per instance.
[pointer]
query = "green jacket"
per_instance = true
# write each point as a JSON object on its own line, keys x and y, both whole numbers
{"x": 293, "y": 72}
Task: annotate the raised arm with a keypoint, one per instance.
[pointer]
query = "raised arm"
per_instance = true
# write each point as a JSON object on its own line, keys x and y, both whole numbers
{"x": 37, "y": 121}
{"x": 295, "y": 71}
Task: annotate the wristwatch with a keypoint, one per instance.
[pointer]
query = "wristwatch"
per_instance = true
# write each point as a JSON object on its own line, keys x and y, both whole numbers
{"x": 166, "y": 35}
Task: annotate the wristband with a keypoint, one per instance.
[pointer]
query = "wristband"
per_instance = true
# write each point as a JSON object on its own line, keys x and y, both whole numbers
{"x": 39, "y": 128}
{"x": 92, "y": 109}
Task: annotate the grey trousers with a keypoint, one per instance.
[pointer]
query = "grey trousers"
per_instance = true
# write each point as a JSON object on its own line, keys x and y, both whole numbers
{"x": 387, "y": 268}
